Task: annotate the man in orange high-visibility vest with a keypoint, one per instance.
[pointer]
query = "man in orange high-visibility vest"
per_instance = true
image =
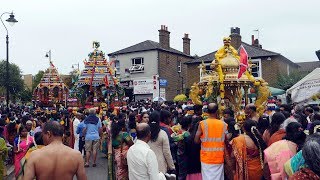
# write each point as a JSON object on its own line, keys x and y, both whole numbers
{"x": 211, "y": 133}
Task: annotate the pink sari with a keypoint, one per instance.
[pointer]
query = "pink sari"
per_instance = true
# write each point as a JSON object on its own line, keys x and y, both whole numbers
{"x": 24, "y": 146}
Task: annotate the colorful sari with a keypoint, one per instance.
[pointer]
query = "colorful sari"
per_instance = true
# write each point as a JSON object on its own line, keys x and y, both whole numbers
{"x": 305, "y": 173}
{"x": 294, "y": 164}
{"x": 248, "y": 165}
{"x": 24, "y": 146}
{"x": 119, "y": 143}
{"x": 3, "y": 156}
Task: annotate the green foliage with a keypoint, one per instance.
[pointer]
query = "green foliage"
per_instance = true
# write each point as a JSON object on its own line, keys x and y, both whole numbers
{"x": 180, "y": 98}
{"x": 286, "y": 81}
{"x": 37, "y": 79}
{"x": 25, "y": 95}
{"x": 15, "y": 81}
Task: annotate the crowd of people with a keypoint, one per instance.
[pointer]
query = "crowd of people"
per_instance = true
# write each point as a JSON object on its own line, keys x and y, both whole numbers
{"x": 145, "y": 140}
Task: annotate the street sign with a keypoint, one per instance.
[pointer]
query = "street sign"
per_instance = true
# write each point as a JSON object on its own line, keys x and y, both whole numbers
{"x": 163, "y": 82}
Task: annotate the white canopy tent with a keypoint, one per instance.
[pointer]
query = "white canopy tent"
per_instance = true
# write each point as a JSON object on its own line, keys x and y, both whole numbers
{"x": 308, "y": 86}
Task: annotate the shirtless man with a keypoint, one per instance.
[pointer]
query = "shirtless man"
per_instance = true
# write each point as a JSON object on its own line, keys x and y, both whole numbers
{"x": 55, "y": 161}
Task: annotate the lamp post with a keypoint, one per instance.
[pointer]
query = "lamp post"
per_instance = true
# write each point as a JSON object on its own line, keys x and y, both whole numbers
{"x": 11, "y": 21}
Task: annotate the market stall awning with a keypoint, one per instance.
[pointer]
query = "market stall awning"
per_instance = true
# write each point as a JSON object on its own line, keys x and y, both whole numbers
{"x": 274, "y": 92}
{"x": 307, "y": 87}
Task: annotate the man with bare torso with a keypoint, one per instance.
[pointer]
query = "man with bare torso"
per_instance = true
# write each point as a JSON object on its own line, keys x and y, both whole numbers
{"x": 55, "y": 161}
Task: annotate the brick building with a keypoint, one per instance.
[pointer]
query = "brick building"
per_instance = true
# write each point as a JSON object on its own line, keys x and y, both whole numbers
{"x": 268, "y": 65}
{"x": 28, "y": 80}
{"x": 150, "y": 69}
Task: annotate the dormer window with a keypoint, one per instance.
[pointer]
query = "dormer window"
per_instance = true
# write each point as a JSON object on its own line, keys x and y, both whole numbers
{"x": 137, "y": 65}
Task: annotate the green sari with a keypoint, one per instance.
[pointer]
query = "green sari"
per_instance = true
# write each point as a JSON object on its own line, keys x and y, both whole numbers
{"x": 3, "y": 156}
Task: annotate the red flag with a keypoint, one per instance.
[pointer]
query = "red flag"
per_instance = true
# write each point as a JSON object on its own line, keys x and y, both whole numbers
{"x": 243, "y": 61}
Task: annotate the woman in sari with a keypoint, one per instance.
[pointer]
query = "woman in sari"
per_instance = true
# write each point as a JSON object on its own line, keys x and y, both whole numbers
{"x": 21, "y": 146}
{"x": 3, "y": 156}
{"x": 310, "y": 152}
{"x": 121, "y": 141}
{"x": 280, "y": 152}
{"x": 37, "y": 144}
{"x": 248, "y": 152}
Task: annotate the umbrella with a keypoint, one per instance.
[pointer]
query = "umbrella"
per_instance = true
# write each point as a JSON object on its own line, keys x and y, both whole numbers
{"x": 159, "y": 99}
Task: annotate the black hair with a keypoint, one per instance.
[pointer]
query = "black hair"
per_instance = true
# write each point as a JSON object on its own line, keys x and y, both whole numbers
{"x": 54, "y": 127}
{"x": 185, "y": 122}
{"x": 277, "y": 119}
{"x": 311, "y": 153}
{"x": 154, "y": 123}
{"x": 2, "y": 122}
{"x": 309, "y": 110}
{"x": 212, "y": 109}
{"x": 228, "y": 120}
{"x": 164, "y": 116}
{"x": 294, "y": 133}
{"x": 132, "y": 121}
{"x": 117, "y": 126}
{"x": 38, "y": 138}
{"x": 252, "y": 107}
{"x": 143, "y": 113}
{"x": 313, "y": 124}
{"x": 21, "y": 128}
{"x": 235, "y": 133}
{"x": 263, "y": 124}
{"x": 316, "y": 116}
{"x": 286, "y": 114}
{"x": 144, "y": 132}
{"x": 250, "y": 126}
{"x": 197, "y": 108}
{"x": 286, "y": 107}
{"x": 228, "y": 111}
{"x": 316, "y": 108}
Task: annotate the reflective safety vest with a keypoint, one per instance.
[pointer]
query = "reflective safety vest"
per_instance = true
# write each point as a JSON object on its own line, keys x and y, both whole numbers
{"x": 212, "y": 141}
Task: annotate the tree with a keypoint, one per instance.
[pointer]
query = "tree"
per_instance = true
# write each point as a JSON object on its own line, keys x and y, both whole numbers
{"x": 287, "y": 81}
{"x": 15, "y": 82}
{"x": 37, "y": 79}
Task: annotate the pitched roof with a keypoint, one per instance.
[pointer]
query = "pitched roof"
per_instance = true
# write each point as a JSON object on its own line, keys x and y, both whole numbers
{"x": 253, "y": 52}
{"x": 308, "y": 66}
{"x": 146, "y": 46}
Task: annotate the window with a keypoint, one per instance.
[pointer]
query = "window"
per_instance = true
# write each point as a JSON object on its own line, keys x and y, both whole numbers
{"x": 117, "y": 66}
{"x": 137, "y": 65}
{"x": 288, "y": 69}
{"x": 256, "y": 68}
{"x": 179, "y": 66}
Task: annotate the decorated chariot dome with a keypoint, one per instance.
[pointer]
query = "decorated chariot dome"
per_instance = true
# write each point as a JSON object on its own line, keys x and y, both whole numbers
{"x": 51, "y": 89}
{"x": 224, "y": 83}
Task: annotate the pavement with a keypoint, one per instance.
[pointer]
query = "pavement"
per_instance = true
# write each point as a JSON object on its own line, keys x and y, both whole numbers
{"x": 100, "y": 172}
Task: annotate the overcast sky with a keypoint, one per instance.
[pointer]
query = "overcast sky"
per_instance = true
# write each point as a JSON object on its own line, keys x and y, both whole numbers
{"x": 68, "y": 27}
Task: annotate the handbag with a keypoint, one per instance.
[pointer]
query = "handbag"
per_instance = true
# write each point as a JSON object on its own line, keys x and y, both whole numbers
{"x": 123, "y": 155}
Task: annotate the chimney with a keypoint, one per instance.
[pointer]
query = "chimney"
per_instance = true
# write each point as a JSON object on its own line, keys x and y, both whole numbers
{"x": 252, "y": 39}
{"x": 235, "y": 37}
{"x": 186, "y": 44}
{"x": 164, "y": 37}
{"x": 318, "y": 54}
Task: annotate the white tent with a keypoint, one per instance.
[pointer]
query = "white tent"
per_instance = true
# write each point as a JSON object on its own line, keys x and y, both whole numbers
{"x": 303, "y": 90}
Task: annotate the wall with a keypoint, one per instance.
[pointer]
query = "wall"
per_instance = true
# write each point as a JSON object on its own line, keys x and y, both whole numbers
{"x": 150, "y": 64}
{"x": 193, "y": 74}
{"x": 27, "y": 79}
{"x": 168, "y": 69}
{"x": 272, "y": 69}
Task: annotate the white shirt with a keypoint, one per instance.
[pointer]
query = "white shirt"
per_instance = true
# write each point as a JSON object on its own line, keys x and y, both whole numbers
{"x": 142, "y": 162}
{"x": 76, "y": 123}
